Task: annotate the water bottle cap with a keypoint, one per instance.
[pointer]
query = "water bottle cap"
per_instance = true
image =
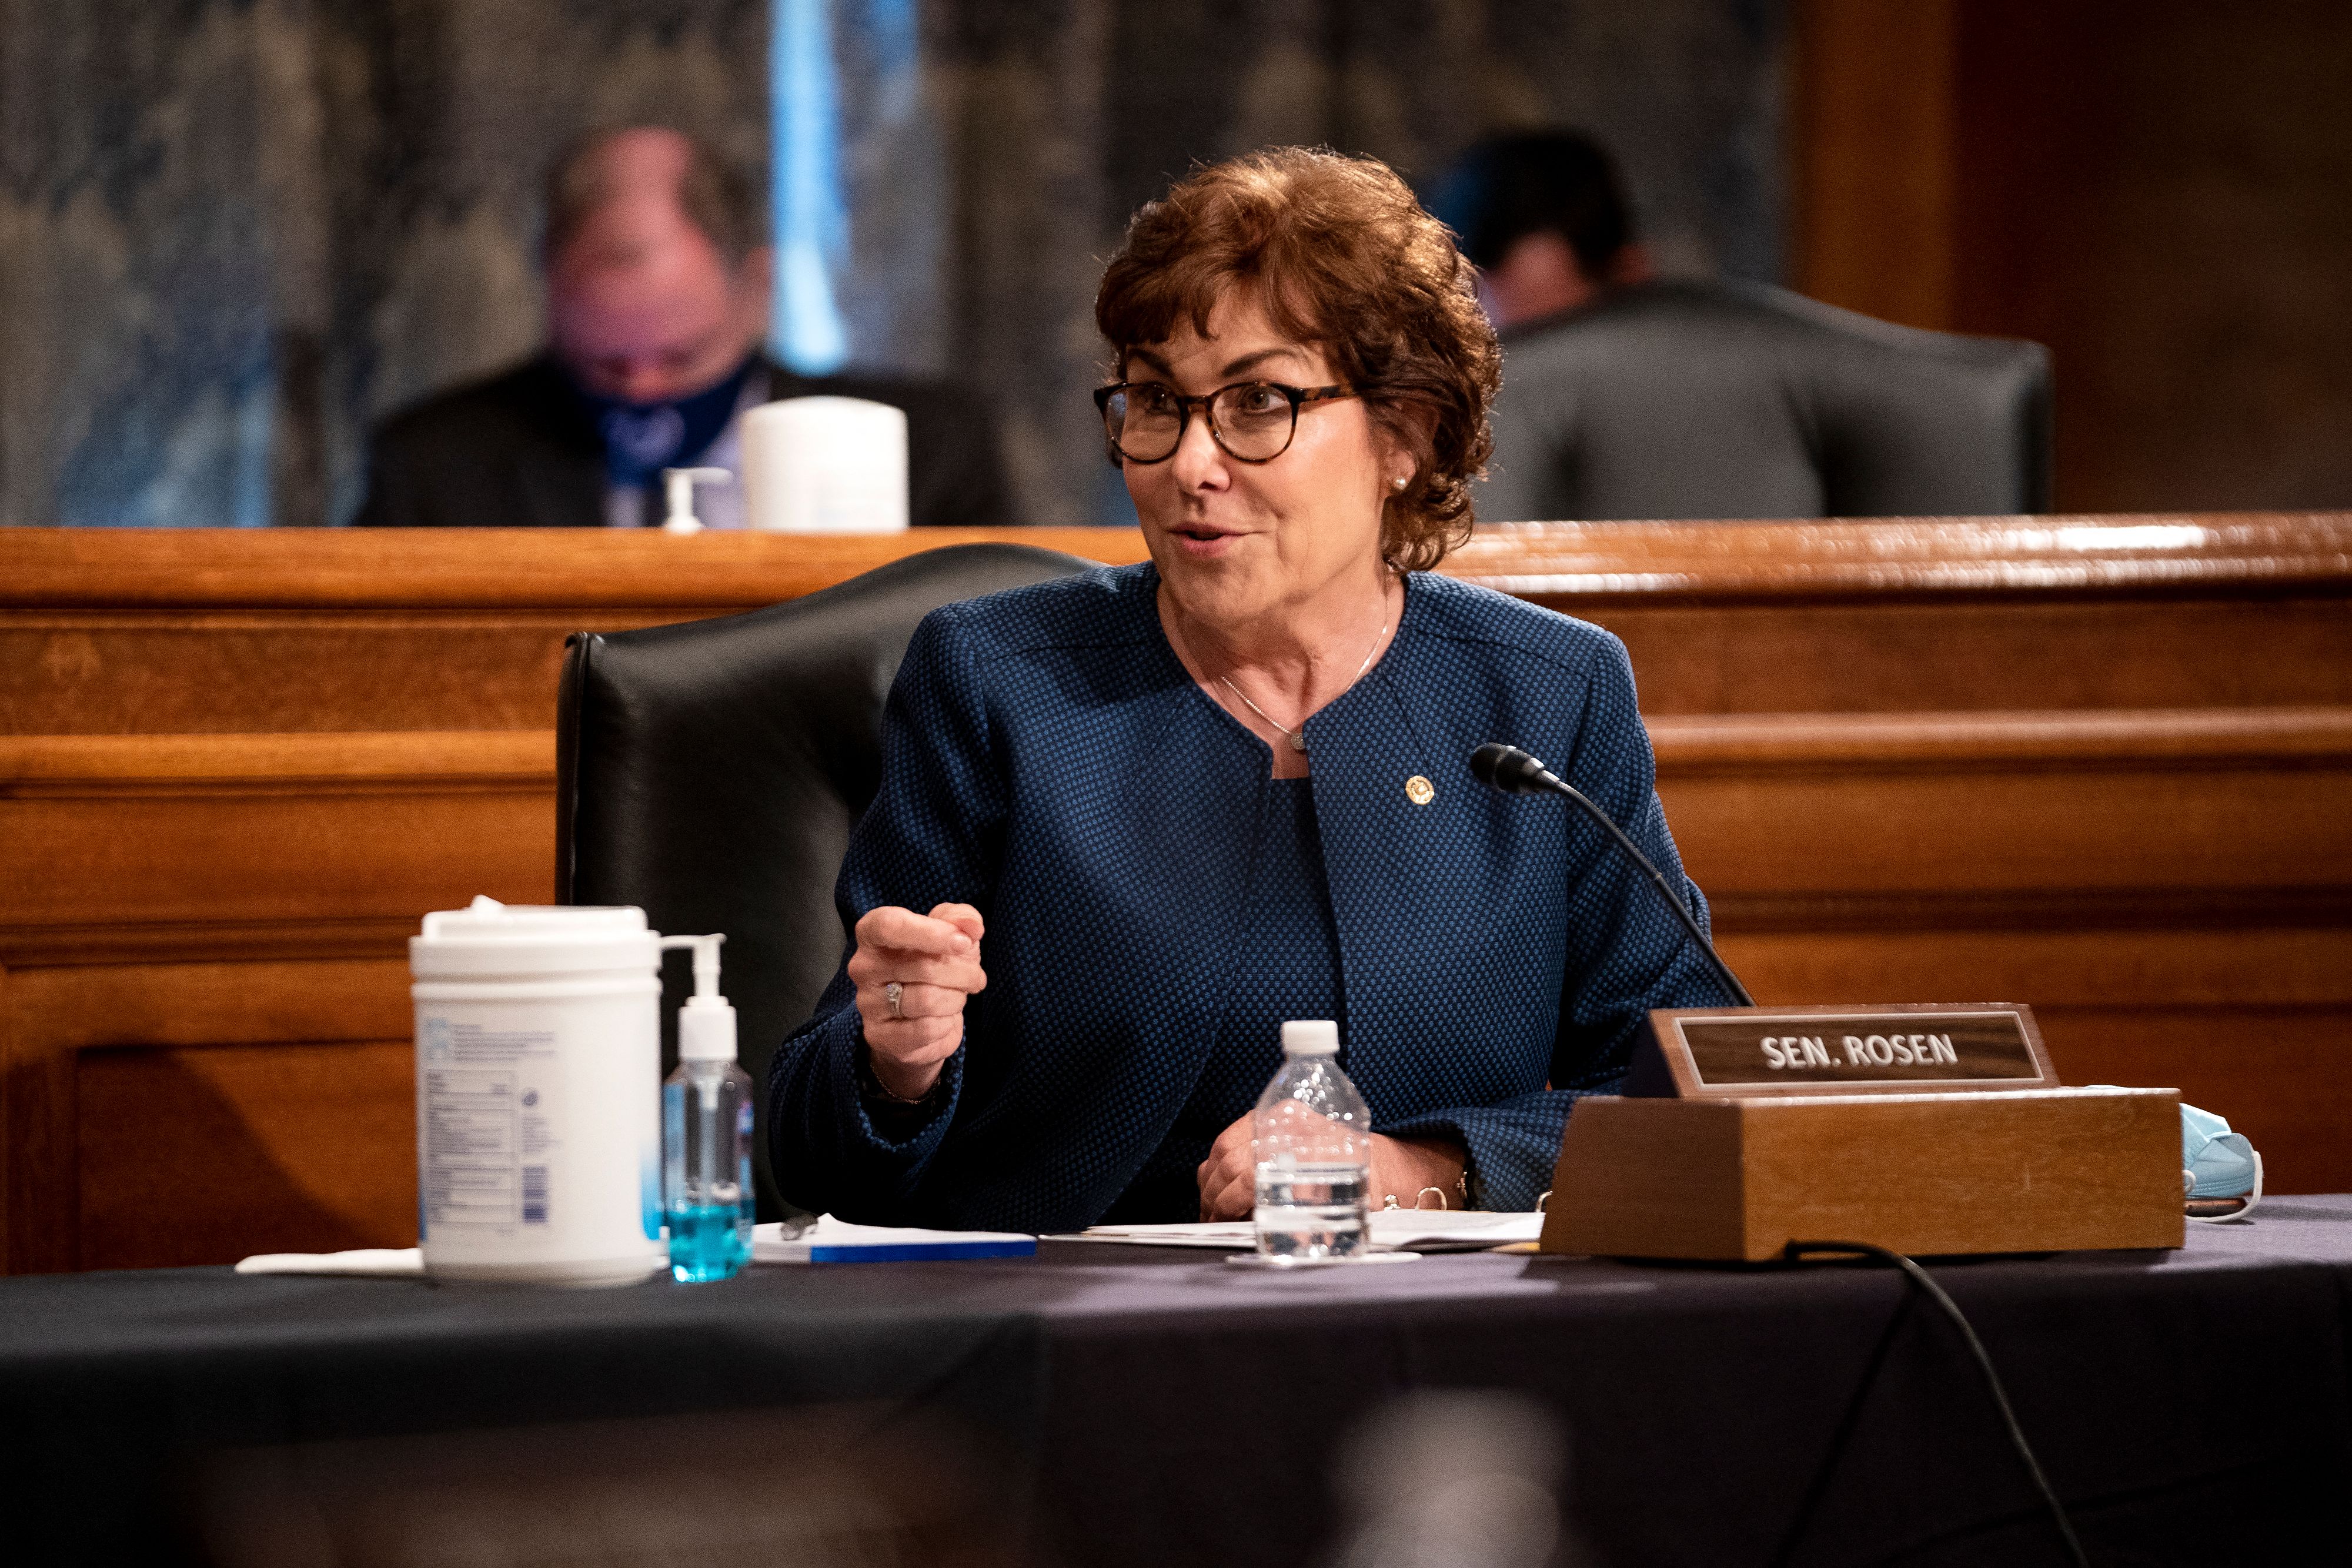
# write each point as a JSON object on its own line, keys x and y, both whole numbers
{"x": 1310, "y": 1036}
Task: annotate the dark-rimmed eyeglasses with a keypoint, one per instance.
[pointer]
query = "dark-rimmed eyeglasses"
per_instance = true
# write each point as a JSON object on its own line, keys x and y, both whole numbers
{"x": 1254, "y": 421}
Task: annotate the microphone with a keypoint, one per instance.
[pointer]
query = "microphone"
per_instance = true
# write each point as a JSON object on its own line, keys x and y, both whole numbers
{"x": 1515, "y": 772}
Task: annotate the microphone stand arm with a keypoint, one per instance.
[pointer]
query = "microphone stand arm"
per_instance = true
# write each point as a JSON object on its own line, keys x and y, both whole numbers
{"x": 1558, "y": 786}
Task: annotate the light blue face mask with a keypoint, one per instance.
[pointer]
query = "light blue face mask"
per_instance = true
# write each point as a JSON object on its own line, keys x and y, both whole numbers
{"x": 2215, "y": 1163}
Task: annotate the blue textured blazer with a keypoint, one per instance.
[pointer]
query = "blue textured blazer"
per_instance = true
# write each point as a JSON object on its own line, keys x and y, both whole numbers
{"x": 1046, "y": 759}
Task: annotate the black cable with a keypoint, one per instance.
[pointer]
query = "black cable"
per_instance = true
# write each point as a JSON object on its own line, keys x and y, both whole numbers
{"x": 1658, "y": 880}
{"x": 1518, "y": 772}
{"x": 1847, "y": 1424}
{"x": 1926, "y": 1286}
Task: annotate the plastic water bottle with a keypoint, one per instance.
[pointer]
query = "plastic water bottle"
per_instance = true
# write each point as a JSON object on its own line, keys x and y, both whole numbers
{"x": 1312, "y": 1138}
{"x": 707, "y": 1132}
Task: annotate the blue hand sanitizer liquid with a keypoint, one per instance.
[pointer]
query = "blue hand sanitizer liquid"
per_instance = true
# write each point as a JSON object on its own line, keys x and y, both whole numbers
{"x": 706, "y": 1242}
{"x": 707, "y": 1177}
{"x": 706, "y": 1195}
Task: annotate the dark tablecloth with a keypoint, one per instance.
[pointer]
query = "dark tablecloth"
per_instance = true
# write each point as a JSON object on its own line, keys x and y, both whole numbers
{"x": 1117, "y": 1404}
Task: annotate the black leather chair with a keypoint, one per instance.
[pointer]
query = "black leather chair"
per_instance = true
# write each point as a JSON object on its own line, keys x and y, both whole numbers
{"x": 711, "y": 772}
{"x": 1726, "y": 400}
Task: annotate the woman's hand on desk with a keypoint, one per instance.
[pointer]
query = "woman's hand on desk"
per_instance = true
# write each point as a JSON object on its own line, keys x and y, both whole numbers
{"x": 1228, "y": 1177}
{"x": 934, "y": 960}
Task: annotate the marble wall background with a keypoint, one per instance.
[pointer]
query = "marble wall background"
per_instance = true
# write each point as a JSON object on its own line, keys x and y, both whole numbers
{"x": 233, "y": 232}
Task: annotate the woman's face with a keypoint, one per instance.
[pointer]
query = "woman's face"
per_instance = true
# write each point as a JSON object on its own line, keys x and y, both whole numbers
{"x": 1239, "y": 542}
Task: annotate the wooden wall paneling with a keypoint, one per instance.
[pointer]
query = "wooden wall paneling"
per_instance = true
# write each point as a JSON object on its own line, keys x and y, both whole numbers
{"x": 2110, "y": 804}
{"x": 2158, "y": 192}
{"x": 206, "y": 1155}
{"x": 2249, "y": 1020}
{"x": 191, "y": 571}
{"x": 2276, "y": 1072}
{"x": 2161, "y": 193}
{"x": 2171, "y": 892}
{"x": 1872, "y": 156}
{"x": 311, "y": 570}
{"x": 1748, "y": 617}
{"x": 161, "y": 672}
{"x": 97, "y": 831}
{"x": 1924, "y": 955}
{"x": 1945, "y": 655}
{"x": 2121, "y": 834}
{"x": 2121, "y": 806}
{"x": 148, "y": 1117}
{"x": 1904, "y": 558}
{"x": 152, "y": 1177}
{"x": 136, "y": 675}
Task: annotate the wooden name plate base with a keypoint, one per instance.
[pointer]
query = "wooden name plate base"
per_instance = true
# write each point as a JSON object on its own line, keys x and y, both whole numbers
{"x": 1968, "y": 1147}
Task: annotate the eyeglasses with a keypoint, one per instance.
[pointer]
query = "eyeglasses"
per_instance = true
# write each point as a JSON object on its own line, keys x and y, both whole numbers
{"x": 1253, "y": 420}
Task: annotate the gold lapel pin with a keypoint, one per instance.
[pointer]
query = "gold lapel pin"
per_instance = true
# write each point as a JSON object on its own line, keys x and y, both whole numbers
{"x": 1419, "y": 791}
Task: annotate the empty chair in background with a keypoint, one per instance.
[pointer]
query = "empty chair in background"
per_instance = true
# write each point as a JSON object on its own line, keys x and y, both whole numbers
{"x": 1628, "y": 397}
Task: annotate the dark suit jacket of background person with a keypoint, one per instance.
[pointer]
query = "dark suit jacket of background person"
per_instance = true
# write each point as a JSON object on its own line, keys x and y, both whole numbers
{"x": 516, "y": 450}
{"x": 1046, "y": 759}
{"x": 1689, "y": 399}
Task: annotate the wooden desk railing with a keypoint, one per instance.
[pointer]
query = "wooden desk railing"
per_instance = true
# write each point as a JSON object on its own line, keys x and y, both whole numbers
{"x": 2097, "y": 765}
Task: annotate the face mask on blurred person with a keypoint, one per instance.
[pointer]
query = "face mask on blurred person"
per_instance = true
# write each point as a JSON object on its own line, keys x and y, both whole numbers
{"x": 641, "y": 439}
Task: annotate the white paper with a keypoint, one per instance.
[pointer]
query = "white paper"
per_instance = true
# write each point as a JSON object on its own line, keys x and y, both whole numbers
{"x": 1393, "y": 1229}
{"x": 1435, "y": 1229}
{"x": 1229, "y": 1235}
{"x": 389, "y": 1262}
{"x": 771, "y": 1245}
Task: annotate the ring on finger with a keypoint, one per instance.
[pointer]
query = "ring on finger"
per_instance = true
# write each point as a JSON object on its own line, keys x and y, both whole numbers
{"x": 894, "y": 994}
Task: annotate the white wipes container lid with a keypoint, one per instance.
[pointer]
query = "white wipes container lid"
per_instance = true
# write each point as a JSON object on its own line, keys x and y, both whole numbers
{"x": 488, "y": 937}
{"x": 1310, "y": 1036}
{"x": 825, "y": 465}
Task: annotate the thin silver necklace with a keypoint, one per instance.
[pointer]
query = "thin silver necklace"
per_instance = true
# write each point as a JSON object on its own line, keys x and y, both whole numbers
{"x": 1297, "y": 738}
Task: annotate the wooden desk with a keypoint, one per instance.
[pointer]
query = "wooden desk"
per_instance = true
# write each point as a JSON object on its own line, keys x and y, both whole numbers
{"x": 2097, "y": 765}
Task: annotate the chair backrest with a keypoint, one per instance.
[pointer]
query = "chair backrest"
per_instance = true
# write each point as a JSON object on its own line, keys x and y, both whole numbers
{"x": 1725, "y": 399}
{"x": 710, "y": 773}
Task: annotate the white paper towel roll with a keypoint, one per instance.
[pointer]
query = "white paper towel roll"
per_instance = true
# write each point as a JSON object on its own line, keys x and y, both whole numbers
{"x": 825, "y": 465}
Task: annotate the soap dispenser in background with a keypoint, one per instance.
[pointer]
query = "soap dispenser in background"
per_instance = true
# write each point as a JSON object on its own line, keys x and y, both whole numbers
{"x": 706, "y": 1195}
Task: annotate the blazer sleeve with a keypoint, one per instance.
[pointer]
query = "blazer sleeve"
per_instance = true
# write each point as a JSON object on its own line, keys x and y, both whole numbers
{"x": 1626, "y": 953}
{"x": 931, "y": 837}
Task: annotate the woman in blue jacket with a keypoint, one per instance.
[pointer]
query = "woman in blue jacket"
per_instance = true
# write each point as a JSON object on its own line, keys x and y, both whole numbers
{"x": 1130, "y": 821}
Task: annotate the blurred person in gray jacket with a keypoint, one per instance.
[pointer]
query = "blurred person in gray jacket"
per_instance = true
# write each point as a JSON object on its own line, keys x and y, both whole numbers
{"x": 1628, "y": 397}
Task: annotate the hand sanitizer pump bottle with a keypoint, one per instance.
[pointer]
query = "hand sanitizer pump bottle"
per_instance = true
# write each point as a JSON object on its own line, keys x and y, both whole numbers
{"x": 707, "y": 1132}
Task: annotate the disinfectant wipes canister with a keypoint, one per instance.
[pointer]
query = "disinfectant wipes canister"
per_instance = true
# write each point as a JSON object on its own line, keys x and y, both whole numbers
{"x": 538, "y": 1094}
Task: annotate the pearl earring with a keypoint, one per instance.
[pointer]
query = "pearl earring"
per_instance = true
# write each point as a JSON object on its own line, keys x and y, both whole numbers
{"x": 1396, "y": 484}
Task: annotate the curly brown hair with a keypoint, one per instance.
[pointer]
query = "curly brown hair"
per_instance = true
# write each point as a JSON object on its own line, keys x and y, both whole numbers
{"x": 1341, "y": 257}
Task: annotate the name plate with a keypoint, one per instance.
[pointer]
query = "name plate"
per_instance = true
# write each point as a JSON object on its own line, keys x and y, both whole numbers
{"x": 1695, "y": 1053}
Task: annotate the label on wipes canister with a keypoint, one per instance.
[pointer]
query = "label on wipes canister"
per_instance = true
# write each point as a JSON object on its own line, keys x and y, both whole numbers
{"x": 490, "y": 1124}
{"x": 538, "y": 1091}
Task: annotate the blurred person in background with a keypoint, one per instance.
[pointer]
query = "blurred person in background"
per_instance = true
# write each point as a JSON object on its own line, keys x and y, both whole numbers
{"x": 1629, "y": 396}
{"x": 1543, "y": 217}
{"x": 658, "y": 296}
